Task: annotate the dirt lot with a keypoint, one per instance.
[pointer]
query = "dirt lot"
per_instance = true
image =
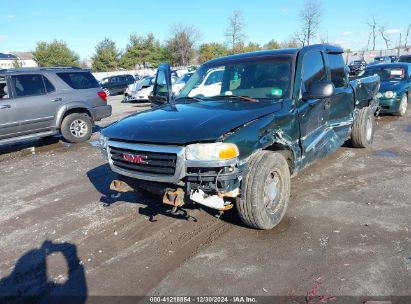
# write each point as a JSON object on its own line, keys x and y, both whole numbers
{"x": 347, "y": 230}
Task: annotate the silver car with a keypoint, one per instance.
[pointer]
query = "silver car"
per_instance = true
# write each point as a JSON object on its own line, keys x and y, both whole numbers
{"x": 40, "y": 102}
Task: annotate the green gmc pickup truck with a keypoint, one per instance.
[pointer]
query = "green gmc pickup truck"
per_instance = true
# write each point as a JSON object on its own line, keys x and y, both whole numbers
{"x": 238, "y": 139}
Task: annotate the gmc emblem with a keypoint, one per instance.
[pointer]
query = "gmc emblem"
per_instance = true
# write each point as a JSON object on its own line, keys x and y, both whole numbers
{"x": 135, "y": 159}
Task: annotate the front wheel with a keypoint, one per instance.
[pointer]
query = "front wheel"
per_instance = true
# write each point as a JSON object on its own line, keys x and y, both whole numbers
{"x": 265, "y": 191}
{"x": 76, "y": 127}
{"x": 362, "y": 134}
{"x": 403, "y": 106}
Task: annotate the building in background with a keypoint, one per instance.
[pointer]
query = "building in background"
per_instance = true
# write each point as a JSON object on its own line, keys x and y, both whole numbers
{"x": 22, "y": 59}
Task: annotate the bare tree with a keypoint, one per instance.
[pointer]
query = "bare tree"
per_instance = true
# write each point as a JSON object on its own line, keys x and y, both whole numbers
{"x": 368, "y": 42}
{"x": 235, "y": 30}
{"x": 324, "y": 38}
{"x": 181, "y": 43}
{"x": 382, "y": 30}
{"x": 373, "y": 28}
{"x": 310, "y": 15}
{"x": 301, "y": 37}
{"x": 406, "y": 35}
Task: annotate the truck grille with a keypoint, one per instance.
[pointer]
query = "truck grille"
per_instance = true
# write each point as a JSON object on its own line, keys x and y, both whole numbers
{"x": 160, "y": 163}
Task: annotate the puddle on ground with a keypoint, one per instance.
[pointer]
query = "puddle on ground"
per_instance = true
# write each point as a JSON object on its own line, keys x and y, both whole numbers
{"x": 280, "y": 228}
{"x": 386, "y": 153}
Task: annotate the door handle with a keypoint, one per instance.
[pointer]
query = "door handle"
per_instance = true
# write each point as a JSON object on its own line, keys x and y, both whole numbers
{"x": 5, "y": 107}
{"x": 57, "y": 99}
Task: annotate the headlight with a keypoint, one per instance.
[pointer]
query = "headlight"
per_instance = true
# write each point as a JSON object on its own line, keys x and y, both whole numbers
{"x": 214, "y": 151}
{"x": 379, "y": 95}
{"x": 103, "y": 141}
{"x": 389, "y": 94}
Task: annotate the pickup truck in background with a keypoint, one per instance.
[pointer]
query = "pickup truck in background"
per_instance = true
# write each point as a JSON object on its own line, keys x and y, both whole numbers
{"x": 276, "y": 112}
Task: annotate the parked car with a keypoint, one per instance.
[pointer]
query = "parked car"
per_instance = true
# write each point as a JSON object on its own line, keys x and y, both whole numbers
{"x": 180, "y": 83}
{"x": 395, "y": 86}
{"x": 356, "y": 67}
{"x": 405, "y": 58}
{"x": 41, "y": 102}
{"x": 140, "y": 90}
{"x": 277, "y": 111}
{"x": 381, "y": 59}
{"x": 393, "y": 58}
{"x": 116, "y": 84}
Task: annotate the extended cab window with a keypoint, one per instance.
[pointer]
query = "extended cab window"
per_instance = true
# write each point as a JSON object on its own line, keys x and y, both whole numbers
{"x": 28, "y": 85}
{"x": 79, "y": 80}
{"x": 313, "y": 70}
{"x": 337, "y": 68}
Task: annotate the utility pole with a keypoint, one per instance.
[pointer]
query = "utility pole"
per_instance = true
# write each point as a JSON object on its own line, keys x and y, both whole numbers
{"x": 399, "y": 47}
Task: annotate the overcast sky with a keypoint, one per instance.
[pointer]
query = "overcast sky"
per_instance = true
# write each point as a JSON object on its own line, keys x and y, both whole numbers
{"x": 82, "y": 24}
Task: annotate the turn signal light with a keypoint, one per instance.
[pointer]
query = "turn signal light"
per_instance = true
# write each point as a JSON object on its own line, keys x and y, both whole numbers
{"x": 228, "y": 151}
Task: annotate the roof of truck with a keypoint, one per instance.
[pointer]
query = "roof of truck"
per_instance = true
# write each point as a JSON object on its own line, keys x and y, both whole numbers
{"x": 328, "y": 48}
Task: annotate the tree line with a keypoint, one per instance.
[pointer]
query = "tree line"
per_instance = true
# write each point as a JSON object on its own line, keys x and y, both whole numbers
{"x": 182, "y": 47}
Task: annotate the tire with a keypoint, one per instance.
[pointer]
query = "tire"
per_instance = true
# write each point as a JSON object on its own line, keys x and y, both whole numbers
{"x": 76, "y": 127}
{"x": 362, "y": 133}
{"x": 265, "y": 191}
{"x": 403, "y": 106}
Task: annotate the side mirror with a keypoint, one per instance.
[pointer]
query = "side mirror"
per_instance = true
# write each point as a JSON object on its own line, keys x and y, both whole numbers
{"x": 320, "y": 89}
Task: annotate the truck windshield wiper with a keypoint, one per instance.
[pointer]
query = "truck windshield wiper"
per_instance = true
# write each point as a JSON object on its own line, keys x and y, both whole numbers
{"x": 246, "y": 98}
{"x": 190, "y": 98}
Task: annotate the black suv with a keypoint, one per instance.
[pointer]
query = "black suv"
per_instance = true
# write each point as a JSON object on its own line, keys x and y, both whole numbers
{"x": 116, "y": 84}
{"x": 40, "y": 102}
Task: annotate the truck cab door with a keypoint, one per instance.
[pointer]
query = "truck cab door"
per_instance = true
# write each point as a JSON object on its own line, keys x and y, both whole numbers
{"x": 340, "y": 116}
{"x": 162, "y": 90}
{"x": 312, "y": 112}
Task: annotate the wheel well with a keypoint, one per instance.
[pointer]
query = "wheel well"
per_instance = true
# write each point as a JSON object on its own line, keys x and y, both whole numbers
{"x": 285, "y": 151}
{"x": 76, "y": 110}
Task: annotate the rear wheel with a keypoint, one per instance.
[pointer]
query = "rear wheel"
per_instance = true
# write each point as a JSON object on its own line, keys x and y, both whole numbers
{"x": 362, "y": 134}
{"x": 403, "y": 105}
{"x": 266, "y": 191}
{"x": 76, "y": 127}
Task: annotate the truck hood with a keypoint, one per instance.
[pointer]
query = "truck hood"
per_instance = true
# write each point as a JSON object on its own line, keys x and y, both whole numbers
{"x": 392, "y": 86}
{"x": 183, "y": 123}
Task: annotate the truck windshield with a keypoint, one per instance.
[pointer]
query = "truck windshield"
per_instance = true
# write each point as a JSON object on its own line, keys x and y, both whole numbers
{"x": 265, "y": 79}
{"x": 387, "y": 73}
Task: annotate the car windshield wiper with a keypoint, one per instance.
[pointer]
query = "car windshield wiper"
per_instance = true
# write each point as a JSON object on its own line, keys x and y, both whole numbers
{"x": 246, "y": 98}
{"x": 190, "y": 98}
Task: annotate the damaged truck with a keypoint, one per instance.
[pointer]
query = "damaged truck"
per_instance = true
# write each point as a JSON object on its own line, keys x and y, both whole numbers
{"x": 236, "y": 142}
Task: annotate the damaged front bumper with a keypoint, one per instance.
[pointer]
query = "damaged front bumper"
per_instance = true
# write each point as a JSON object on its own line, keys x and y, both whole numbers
{"x": 210, "y": 183}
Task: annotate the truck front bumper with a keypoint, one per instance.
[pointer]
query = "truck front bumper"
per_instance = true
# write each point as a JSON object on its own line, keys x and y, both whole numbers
{"x": 391, "y": 105}
{"x": 222, "y": 176}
